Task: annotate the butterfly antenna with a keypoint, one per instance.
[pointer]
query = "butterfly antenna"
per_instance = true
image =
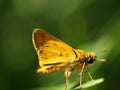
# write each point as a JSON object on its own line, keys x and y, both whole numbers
{"x": 102, "y": 50}
{"x": 102, "y": 60}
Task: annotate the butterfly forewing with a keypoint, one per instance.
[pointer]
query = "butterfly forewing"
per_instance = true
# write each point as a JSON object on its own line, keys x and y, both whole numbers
{"x": 51, "y": 50}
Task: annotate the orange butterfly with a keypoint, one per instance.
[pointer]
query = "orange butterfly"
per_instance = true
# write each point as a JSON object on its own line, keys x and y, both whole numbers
{"x": 55, "y": 55}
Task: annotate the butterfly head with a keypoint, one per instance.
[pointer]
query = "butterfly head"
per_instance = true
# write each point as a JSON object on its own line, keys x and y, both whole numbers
{"x": 91, "y": 57}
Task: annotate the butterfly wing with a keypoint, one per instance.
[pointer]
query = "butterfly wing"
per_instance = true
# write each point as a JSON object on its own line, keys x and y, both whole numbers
{"x": 50, "y": 49}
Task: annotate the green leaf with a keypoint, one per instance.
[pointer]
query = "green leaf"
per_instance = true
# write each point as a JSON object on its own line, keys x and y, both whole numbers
{"x": 91, "y": 83}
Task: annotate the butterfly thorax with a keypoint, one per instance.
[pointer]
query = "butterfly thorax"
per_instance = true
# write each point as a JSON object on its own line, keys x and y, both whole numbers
{"x": 81, "y": 58}
{"x": 87, "y": 57}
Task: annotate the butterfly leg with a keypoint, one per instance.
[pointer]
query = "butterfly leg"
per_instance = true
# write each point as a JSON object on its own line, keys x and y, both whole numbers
{"x": 81, "y": 75}
{"x": 89, "y": 74}
{"x": 67, "y": 75}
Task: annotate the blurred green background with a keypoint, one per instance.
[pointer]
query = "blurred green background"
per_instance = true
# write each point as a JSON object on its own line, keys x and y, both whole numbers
{"x": 86, "y": 24}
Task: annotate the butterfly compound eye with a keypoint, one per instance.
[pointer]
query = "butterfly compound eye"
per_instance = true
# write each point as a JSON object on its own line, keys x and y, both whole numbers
{"x": 90, "y": 60}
